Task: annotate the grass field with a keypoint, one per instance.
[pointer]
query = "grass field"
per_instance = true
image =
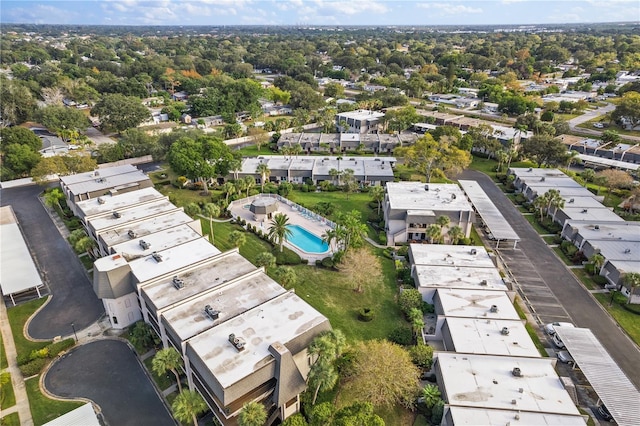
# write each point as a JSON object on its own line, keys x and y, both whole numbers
{"x": 44, "y": 409}
{"x": 164, "y": 381}
{"x": 10, "y": 420}
{"x": 629, "y": 321}
{"x": 7, "y": 397}
{"x": 18, "y": 316}
{"x": 3, "y": 356}
{"x": 585, "y": 278}
{"x": 562, "y": 256}
{"x": 534, "y": 222}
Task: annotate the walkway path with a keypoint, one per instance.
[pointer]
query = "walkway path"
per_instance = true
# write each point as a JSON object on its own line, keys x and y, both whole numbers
{"x": 22, "y": 402}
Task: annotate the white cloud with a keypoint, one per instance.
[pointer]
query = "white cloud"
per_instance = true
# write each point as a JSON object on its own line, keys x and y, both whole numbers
{"x": 451, "y": 9}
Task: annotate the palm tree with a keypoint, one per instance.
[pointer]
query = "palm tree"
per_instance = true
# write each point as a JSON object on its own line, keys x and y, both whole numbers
{"x": 264, "y": 172}
{"x": 443, "y": 221}
{"x": 329, "y": 236}
{"x": 335, "y": 175}
{"x": 237, "y": 238}
{"x": 85, "y": 244}
{"x": 53, "y": 198}
{"x": 187, "y": 405}
{"x": 211, "y": 210}
{"x": 598, "y": 261}
{"x": 377, "y": 195}
{"x": 167, "y": 360}
{"x": 540, "y": 203}
{"x": 502, "y": 158}
{"x": 557, "y": 202}
{"x": 416, "y": 318}
{"x": 241, "y": 186}
{"x": 279, "y": 229}
{"x": 434, "y": 232}
{"x": 327, "y": 347}
{"x": 455, "y": 234}
{"x": 286, "y": 276}
{"x": 252, "y": 414}
{"x": 228, "y": 189}
{"x": 323, "y": 377}
{"x": 249, "y": 183}
{"x": 265, "y": 259}
{"x": 431, "y": 395}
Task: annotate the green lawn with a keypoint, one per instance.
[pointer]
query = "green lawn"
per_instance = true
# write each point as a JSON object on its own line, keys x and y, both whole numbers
{"x": 534, "y": 222}
{"x": 44, "y": 409}
{"x": 536, "y": 340}
{"x": 562, "y": 256}
{"x": 18, "y": 316}
{"x": 357, "y": 201}
{"x": 585, "y": 278}
{"x": 629, "y": 321}
{"x": 7, "y": 397}
{"x": 488, "y": 166}
{"x": 3, "y": 356}
{"x": 10, "y": 420}
{"x": 221, "y": 231}
{"x": 549, "y": 240}
{"x": 164, "y": 381}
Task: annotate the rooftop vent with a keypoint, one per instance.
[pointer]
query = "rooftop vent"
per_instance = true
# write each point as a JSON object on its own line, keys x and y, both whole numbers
{"x": 453, "y": 196}
{"x": 156, "y": 256}
{"x": 494, "y": 308}
{"x": 132, "y": 234}
{"x": 212, "y": 313}
{"x": 584, "y": 210}
{"x": 96, "y": 173}
{"x": 100, "y": 180}
{"x": 474, "y": 252}
{"x": 627, "y": 250}
{"x": 117, "y": 215}
{"x": 484, "y": 282}
{"x": 514, "y": 402}
{"x": 542, "y": 179}
{"x": 101, "y": 200}
{"x": 504, "y": 331}
{"x": 237, "y": 342}
{"x": 596, "y": 227}
{"x": 516, "y": 372}
{"x": 426, "y": 187}
{"x": 530, "y": 169}
{"x": 572, "y": 200}
{"x": 178, "y": 283}
{"x": 145, "y": 245}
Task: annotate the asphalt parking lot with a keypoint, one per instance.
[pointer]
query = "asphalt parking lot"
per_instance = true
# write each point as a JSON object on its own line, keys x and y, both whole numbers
{"x": 109, "y": 373}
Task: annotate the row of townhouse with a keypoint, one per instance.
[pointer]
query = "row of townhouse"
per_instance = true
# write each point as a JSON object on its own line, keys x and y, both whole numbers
{"x": 591, "y": 226}
{"x": 335, "y": 143}
{"x": 486, "y": 365}
{"x": 221, "y": 313}
{"x": 595, "y": 152}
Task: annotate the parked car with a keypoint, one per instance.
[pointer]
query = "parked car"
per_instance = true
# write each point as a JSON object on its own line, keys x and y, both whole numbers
{"x": 604, "y": 412}
{"x": 598, "y": 125}
{"x": 565, "y": 356}
{"x": 550, "y": 328}
{"x": 557, "y": 341}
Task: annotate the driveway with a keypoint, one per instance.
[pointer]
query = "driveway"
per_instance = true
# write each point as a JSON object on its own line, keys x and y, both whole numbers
{"x": 552, "y": 289}
{"x": 97, "y": 136}
{"x": 109, "y": 373}
{"x": 73, "y": 299}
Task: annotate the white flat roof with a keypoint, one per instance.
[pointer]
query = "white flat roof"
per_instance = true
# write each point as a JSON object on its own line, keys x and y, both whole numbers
{"x": 217, "y": 271}
{"x": 591, "y": 213}
{"x": 613, "y": 387}
{"x": 110, "y": 203}
{"x": 173, "y": 259}
{"x": 145, "y": 227}
{"x": 18, "y": 272}
{"x": 450, "y": 255}
{"x": 487, "y": 381}
{"x": 480, "y": 416}
{"x": 157, "y": 241}
{"x": 81, "y": 416}
{"x": 361, "y": 114}
{"x": 628, "y": 251}
{"x": 454, "y": 277}
{"x": 130, "y": 215}
{"x": 188, "y": 319}
{"x": 560, "y": 182}
{"x": 623, "y": 231}
{"x": 565, "y": 192}
{"x": 279, "y": 320}
{"x": 323, "y": 167}
{"x": 484, "y": 336}
{"x": 491, "y": 216}
{"x": 415, "y": 196}
{"x": 108, "y": 183}
{"x": 476, "y": 304}
{"x": 608, "y": 162}
{"x": 584, "y": 202}
{"x": 525, "y": 173}
{"x": 90, "y": 176}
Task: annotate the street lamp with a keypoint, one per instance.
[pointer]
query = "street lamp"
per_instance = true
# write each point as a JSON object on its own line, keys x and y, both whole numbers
{"x": 73, "y": 327}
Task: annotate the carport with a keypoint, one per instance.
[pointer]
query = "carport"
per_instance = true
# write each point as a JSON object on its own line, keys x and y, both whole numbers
{"x": 18, "y": 273}
{"x": 613, "y": 387}
{"x": 491, "y": 216}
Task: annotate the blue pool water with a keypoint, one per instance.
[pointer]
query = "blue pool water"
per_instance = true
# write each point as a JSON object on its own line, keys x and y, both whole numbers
{"x": 306, "y": 241}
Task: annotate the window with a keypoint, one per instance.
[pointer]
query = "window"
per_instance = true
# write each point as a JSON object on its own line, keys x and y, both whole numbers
{"x": 114, "y": 319}
{"x": 127, "y": 303}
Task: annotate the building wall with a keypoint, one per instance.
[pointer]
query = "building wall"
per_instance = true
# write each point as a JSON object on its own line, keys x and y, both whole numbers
{"x": 123, "y": 311}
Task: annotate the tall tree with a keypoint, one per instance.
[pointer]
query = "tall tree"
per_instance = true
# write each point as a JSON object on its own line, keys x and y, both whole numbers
{"x": 615, "y": 179}
{"x": 237, "y": 238}
{"x": 211, "y": 210}
{"x": 361, "y": 268}
{"x": 53, "y": 198}
{"x": 279, "y": 229}
{"x": 377, "y": 195}
{"x": 434, "y": 233}
{"x": 628, "y": 109}
{"x": 252, "y": 414}
{"x": 187, "y": 406}
{"x": 119, "y": 112}
{"x": 63, "y": 120}
{"x": 429, "y": 156}
{"x": 544, "y": 150}
{"x": 286, "y": 276}
{"x": 263, "y": 170}
{"x": 167, "y": 360}
{"x": 455, "y": 234}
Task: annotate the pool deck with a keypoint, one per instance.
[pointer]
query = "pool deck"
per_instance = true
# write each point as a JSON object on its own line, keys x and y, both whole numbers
{"x": 316, "y": 227}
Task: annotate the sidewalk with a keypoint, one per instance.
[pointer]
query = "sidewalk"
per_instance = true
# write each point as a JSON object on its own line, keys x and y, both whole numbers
{"x": 22, "y": 402}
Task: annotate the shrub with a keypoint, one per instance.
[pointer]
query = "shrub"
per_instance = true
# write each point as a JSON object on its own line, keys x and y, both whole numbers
{"x": 520, "y": 199}
{"x": 578, "y": 258}
{"x": 327, "y": 262}
{"x": 590, "y": 268}
{"x": 374, "y": 217}
{"x": 63, "y": 345}
{"x": 410, "y": 299}
{"x": 600, "y": 280}
{"x": 436, "y": 413}
{"x": 304, "y": 261}
{"x": 366, "y": 314}
{"x": 422, "y": 356}
{"x": 318, "y": 262}
{"x": 427, "y": 308}
{"x": 39, "y": 353}
{"x": 286, "y": 256}
{"x": 382, "y": 236}
{"x": 403, "y": 251}
{"x": 34, "y": 367}
{"x": 402, "y": 335}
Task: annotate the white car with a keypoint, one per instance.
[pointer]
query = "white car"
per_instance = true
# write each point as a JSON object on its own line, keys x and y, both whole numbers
{"x": 598, "y": 125}
{"x": 550, "y": 328}
{"x": 565, "y": 356}
{"x": 557, "y": 341}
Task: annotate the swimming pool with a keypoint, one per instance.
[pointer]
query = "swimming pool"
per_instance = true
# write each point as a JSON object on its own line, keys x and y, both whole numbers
{"x": 306, "y": 241}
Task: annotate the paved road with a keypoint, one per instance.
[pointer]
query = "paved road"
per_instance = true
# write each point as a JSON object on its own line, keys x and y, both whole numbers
{"x": 108, "y": 373}
{"x": 73, "y": 298}
{"x": 552, "y": 289}
{"x": 97, "y": 136}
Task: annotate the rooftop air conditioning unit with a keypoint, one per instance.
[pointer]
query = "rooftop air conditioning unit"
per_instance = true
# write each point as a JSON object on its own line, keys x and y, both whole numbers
{"x": 453, "y": 196}
{"x": 177, "y": 283}
{"x": 484, "y": 282}
{"x": 596, "y": 227}
{"x": 494, "y": 308}
{"x": 237, "y": 342}
{"x": 504, "y": 331}
{"x": 530, "y": 169}
{"x": 627, "y": 250}
{"x": 474, "y": 252}
{"x": 572, "y": 200}
{"x": 426, "y": 187}
{"x": 542, "y": 179}
{"x": 145, "y": 245}
{"x": 132, "y": 234}
{"x": 101, "y": 200}
{"x": 584, "y": 210}
{"x": 516, "y": 372}
{"x": 117, "y": 215}
{"x": 156, "y": 256}
{"x": 211, "y": 313}
{"x": 96, "y": 173}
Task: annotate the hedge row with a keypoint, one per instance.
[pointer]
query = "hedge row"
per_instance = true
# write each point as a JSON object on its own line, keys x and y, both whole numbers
{"x": 34, "y": 362}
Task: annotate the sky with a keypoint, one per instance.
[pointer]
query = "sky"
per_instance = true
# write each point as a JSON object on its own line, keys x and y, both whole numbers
{"x": 318, "y": 12}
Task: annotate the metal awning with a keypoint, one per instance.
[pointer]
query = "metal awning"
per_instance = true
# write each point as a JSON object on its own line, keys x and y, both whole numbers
{"x": 491, "y": 216}
{"x": 613, "y": 387}
{"x": 607, "y": 162}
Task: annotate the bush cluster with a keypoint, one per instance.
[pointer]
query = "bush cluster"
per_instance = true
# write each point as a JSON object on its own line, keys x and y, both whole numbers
{"x": 366, "y": 314}
{"x": 34, "y": 362}
{"x": 286, "y": 256}
{"x": 401, "y": 335}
